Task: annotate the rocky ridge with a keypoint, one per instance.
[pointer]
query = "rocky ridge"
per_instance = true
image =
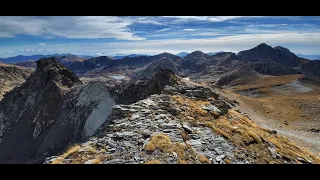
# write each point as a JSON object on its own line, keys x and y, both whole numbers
{"x": 183, "y": 124}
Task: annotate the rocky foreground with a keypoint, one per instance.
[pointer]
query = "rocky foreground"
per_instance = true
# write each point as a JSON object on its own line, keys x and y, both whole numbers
{"x": 182, "y": 125}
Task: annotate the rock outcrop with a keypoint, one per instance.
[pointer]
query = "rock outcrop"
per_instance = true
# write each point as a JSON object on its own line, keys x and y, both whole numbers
{"x": 50, "y": 110}
{"x": 142, "y": 88}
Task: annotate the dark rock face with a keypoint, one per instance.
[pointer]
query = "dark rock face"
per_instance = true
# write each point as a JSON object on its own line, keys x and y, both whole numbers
{"x": 90, "y": 64}
{"x": 311, "y": 68}
{"x": 243, "y": 72}
{"x": 47, "y": 112}
{"x": 142, "y": 88}
{"x": 266, "y": 53}
{"x": 195, "y": 61}
{"x": 198, "y": 61}
{"x": 271, "y": 68}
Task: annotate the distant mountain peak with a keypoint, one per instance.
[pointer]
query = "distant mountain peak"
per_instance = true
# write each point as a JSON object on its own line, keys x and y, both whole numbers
{"x": 263, "y": 45}
{"x": 198, "y": 54}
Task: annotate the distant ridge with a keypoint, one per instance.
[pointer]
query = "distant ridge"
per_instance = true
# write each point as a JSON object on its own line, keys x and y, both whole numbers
{"x": 22, "y": 58}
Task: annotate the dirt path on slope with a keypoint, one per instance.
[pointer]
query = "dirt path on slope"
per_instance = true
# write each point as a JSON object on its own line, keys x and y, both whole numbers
{"x": 304, "y": 139}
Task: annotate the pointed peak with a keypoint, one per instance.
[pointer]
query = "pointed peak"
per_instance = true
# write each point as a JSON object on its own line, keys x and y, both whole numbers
{"x": 263, "y": 45}
{"x": 48, "y": 62}
{"x": 50, "y": 69}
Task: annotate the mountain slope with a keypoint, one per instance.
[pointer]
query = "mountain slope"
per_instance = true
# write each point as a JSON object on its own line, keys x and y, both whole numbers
{"x": 12, "y": 76}
{"x": 311, "y": 68}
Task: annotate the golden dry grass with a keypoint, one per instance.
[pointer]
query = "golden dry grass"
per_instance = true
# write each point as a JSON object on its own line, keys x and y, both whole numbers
{"x": 194, "y": 109}
{"x": 184, "y": 136}
{"x": 89, "y": 152}
{"x": 96, "y": 161}
{"x": 71, "y": 150}
{"x": 155, "y": 161}
{"x": 227, "y": 161}
{"x": 159, "y": 141}
{"x": 163, "y": 143}
{"x": 248, "y": 135}
{"x": 203, "y": 159}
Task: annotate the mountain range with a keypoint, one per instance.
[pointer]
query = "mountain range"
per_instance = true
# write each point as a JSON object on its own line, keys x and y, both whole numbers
{"x": 170, "y": 110}
{"x": 22, "y": 58}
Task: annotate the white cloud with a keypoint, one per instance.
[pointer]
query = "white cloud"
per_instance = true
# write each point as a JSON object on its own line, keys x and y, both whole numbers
{"x": 42, "y": 44}
{"x": 68, "y": 27}
{"x": 188, "y": 29}
{"x": 164, "y": 29}
{"x": 204, "y": 18}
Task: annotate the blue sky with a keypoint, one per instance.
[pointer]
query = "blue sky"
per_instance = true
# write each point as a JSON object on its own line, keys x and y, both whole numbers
{"x": 100, "y": 35}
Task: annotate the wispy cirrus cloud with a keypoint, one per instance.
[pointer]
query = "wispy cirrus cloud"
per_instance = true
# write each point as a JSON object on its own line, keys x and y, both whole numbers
{"x": 68, "y": 27}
